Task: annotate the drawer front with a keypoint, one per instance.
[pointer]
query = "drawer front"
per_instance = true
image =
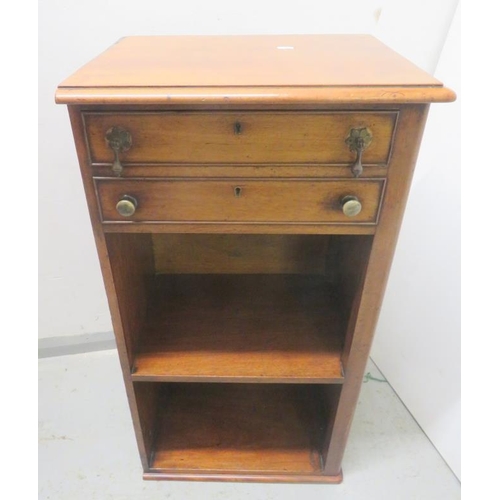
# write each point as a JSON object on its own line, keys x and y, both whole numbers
{"x": 242, "y": 138}
{"x": 240, "y": 201}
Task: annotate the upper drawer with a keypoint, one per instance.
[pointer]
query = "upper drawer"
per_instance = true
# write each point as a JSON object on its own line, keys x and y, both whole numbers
{"x": 240, "y": 137}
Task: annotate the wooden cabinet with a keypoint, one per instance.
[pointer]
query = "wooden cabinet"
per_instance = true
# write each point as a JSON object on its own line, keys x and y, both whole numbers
{"x": 246, "y": 194}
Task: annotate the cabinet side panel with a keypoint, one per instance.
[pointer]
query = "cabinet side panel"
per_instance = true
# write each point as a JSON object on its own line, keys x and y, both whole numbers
{"x": 148, "y": 397}
{"x": 131, "y": 260}
{"x": 346, "y": 262}
{"x": 407, "y": 141}
{"x": 111, "y": 291}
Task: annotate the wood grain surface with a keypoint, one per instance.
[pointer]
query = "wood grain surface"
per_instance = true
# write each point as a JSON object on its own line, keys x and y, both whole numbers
{"x": 240, "y": 428}
{"x": 172, "y": 67}
{"x": 236, "y": 228}
{"x": 132, "y": 265}
{"x": 124, "y": 337}
{"x": 242, "y": 477}
{"x": 234, "y": 328}
{"x": 367, "y": 305}
{"x": 263, "y": 137}
{"x": 213, "y": 200}
{"x": 239, "y": 254}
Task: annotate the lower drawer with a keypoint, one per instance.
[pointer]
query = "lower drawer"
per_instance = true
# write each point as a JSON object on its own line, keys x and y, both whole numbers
{"x": 239, "y": 200}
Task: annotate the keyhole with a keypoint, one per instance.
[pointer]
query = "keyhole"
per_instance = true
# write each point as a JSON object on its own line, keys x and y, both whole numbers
{"x": 237, "y": 128}
{"x": 237, "y": 192}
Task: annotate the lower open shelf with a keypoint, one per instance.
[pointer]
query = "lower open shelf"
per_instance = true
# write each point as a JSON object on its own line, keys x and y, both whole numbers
{"x": 247, "y": 431}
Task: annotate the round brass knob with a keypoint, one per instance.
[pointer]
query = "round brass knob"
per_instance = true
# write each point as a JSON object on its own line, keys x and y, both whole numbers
{"x": 351, "y": 206}
{"x": 127, "y": 206}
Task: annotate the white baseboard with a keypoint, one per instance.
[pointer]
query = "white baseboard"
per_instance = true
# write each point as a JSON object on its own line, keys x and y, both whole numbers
{"x": 75, "y": 344}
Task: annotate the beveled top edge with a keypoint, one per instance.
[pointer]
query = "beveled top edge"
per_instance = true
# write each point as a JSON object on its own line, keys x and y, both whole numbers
{"x": 253, "y": 96}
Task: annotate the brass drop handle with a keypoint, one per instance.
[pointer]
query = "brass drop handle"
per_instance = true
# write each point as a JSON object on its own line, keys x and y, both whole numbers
{"x": 127, "y": 206}
{"x": 351, "y": 206}
{"x": 359, "y": 139}
{"x": 119, "y": 140}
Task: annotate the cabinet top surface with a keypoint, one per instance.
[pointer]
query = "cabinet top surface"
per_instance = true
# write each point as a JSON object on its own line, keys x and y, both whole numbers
{"x": 300, "y": 67}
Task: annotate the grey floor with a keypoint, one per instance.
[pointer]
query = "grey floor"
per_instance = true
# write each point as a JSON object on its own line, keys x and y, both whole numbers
{"x": 87, "y": 448}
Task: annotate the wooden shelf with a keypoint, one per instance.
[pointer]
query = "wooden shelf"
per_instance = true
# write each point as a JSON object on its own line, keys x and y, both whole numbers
{"x": 241, "y": 328}
{"x": 249, "y": 428}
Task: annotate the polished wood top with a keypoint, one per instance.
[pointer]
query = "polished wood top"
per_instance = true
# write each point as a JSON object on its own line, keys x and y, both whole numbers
{"x": 301, "y": 68}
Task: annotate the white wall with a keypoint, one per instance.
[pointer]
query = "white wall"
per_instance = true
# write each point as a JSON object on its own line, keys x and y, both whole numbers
{"x": 72, "y": 298}
{"x": 417, "y": 346}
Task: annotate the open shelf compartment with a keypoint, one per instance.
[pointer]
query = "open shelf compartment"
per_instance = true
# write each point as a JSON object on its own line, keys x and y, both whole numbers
{"x": 276, "y": 328}
{"x": 237, "y": 308}
{"x": 256, "y": 429}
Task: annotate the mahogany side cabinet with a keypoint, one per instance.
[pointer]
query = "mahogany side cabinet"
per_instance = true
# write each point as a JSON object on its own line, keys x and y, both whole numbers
{"x": 246, "y": 194}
